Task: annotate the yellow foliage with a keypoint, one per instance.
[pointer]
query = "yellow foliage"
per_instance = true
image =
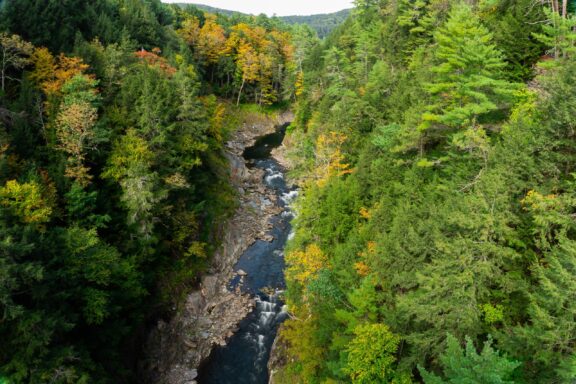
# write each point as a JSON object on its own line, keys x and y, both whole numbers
{"x": 74, "y": 129}
{"x": 300, "y": 336}
{"x": 25, "y": 201}
{"x": 212, "y": 40}
{"x": 190, "y": 30}
{"x": 261, "y": 57}
{"x": 365, "y": 213}
{"x": 44, "y": 66}
{"x": 177, "y": 180}
{"x": 218, "y": 115}
{"x": 371, "y": 247}
{"x": 329, "y": 157}
{"x": 299, "y": 86}
{"x": 304, "y": 265}
{"x": 249, "y": 62}
{"x": 537, "y": 201}
{"x": 65, "y": 69}
{"x": 362, "y": 269}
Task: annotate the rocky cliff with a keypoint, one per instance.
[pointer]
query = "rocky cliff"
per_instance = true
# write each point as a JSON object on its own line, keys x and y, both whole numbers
{"x": 175, "y": 349}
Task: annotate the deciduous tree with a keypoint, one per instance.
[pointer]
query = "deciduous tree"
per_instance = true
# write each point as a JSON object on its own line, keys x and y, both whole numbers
{"x": 15, "y": 53}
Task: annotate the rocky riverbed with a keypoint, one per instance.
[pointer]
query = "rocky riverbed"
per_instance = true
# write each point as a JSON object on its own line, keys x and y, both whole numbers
{"x": 211, "y": 315}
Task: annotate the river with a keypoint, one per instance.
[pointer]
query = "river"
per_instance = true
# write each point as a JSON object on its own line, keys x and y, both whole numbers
{"x": 260, "y": 272}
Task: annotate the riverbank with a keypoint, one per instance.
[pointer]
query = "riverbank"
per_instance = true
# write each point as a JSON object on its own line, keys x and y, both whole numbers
{"x": 261, "y": 274}
{"x": 211, "y": 315}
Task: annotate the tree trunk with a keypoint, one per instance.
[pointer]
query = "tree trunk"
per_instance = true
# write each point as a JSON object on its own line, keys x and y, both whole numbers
{"x": 564, "y": 8}
{"x": 240, "y": 91}
{"x": 3, "y": 74}
{"x": 555, "y": 6}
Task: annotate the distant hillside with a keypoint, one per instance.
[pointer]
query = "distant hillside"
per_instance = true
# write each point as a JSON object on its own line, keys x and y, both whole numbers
{"x": 210, "y": 9}
{"x": 323, "y": 24}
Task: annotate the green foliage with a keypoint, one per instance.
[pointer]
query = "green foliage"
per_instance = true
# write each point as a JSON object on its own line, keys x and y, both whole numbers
{"x": 322, "y": 24}
{"x": 455, "y": 215}
{"x": 62, "y": 21}
{"x": 559, "y": 34}
{"x": 25, "y": 201}
{"x": 129, "y": 164}
{"x": 467, "y": 366}
{"x": 113, "y": 183}
{"x": 513, "y": 25}
{"x": 371, "y": 354}
{"x": 81, "y": 207}
{"x": 466, "y": 85}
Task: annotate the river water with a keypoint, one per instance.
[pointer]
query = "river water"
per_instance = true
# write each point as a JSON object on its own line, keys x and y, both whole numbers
{"x": 245, "y": 358}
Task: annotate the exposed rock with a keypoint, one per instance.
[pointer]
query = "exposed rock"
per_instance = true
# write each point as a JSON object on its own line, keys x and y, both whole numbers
{"x": 277, "y": 357}
{"x": 280, "y": 154}
{"x": 211, "y": 315}
{"x": 241, "y": 273}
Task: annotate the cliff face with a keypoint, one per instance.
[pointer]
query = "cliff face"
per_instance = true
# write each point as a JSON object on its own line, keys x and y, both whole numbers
{"x": 175, "y": 349}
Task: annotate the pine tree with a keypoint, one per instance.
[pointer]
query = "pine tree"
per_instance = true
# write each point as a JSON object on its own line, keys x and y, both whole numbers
{"x": 468, "y": 83}
{"x": 467, "y": 366}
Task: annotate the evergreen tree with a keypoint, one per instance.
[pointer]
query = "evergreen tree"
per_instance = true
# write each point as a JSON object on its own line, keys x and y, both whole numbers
{"x": 467, "y": 366}
{"x": 468, "y": 88}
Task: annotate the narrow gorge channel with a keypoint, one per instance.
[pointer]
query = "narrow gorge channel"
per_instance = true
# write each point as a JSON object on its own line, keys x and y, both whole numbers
{"x": 259, "y": 272}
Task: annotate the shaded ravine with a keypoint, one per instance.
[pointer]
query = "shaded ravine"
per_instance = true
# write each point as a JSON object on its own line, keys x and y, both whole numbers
{"x": 260, "y": 272}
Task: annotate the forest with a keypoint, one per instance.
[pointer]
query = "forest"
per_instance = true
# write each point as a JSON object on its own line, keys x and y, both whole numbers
{"x": 113, "y": 183}
{"x": 435, "y": 235}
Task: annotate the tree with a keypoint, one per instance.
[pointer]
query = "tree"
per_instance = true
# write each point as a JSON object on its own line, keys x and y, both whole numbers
{"x": 329, "y": 158}
{"x": 559, "y": 34}
{"x": 248, "y": 66}
{"x": 466, "y": 366}
{"x": 303, "y": 266}
{"x": 52, "y": 73}
{"x": 467, "y": 83}
{"x": 129, "y": 164}
{"x": 26, "y": 202}
{"x": 372, "y": 354}
{"x": 75, "y": 124}
{"x": 211, "y": 43}
{"x": 190, "y": 134}
{"x": 190, "y": 30}
{"x": 15, "y": 54}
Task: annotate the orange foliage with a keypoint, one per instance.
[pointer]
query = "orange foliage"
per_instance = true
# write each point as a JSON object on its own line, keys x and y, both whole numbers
{"x": 371, "y": 247}
{"x": 154, "y": 59}
{"x": 74, "y": 128}
{"x": 211, "y": 40}
{"x": 262, "y": 56}
{"x": 362, "y": 269}
{"x": 536, "y": 201}
{"x": 365, "y": 213}
{"x": 51, "y": 73}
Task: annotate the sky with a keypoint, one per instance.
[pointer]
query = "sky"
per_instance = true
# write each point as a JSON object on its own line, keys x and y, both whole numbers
{"x": 278, "y": 7}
